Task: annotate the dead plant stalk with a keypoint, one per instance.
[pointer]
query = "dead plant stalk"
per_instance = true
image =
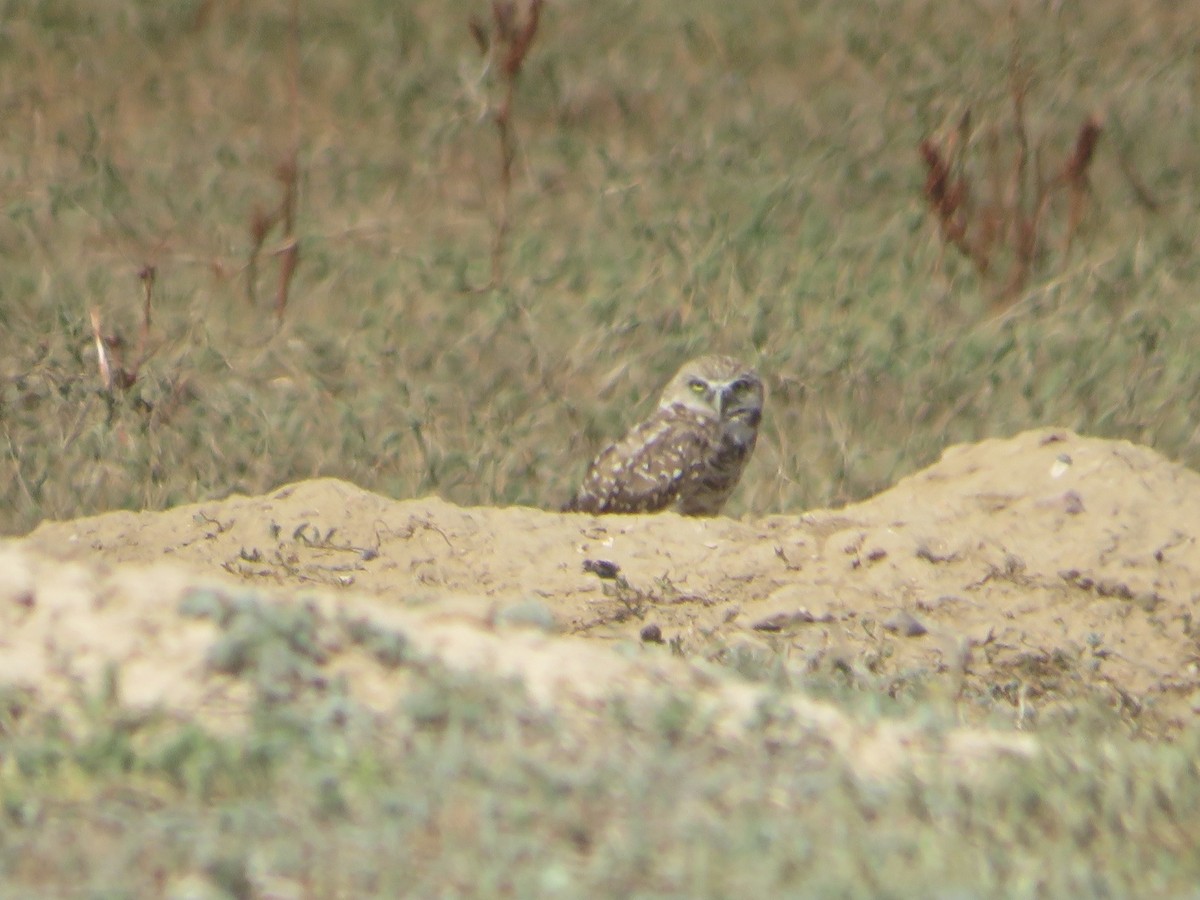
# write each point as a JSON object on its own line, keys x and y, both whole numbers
{"x": 509, "y": 43}
{"x": 287, "y": 173}
{"x": 1011, "y": 223}
{"x": 113, "y": 373}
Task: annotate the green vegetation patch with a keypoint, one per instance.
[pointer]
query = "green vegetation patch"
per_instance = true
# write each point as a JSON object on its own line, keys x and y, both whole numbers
{"x": 467, "y": 787}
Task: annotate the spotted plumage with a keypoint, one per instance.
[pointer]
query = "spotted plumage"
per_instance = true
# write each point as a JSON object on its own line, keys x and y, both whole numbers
{"x": 689, "y": 454}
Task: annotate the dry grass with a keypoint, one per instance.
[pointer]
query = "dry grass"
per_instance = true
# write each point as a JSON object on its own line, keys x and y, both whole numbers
{"x": 671, "y": 182}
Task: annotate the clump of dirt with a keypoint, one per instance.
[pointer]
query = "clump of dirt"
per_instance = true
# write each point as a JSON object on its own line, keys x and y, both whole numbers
{"x": 1029, "y": 571}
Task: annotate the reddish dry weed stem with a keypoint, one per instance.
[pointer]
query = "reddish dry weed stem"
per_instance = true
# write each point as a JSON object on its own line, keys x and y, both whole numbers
{"x": 509, "y": 42}
{"x": 1010, "y": 224}
{"x": 287, "y": 173}
{"x": 1012, "y": 221}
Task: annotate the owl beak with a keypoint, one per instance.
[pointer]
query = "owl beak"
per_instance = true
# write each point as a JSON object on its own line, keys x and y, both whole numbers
{"x": 723, "y": 398}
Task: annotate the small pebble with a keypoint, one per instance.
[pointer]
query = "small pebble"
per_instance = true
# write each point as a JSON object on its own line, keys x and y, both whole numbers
{"x": 905, "y": 623}
{"x": 601, "y": 568}
{"x": 652, "y": 634}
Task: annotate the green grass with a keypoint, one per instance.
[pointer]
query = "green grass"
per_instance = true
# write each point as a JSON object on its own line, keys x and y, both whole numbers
{"x": 467, "y": 788}
{"x": 689, "y": 179}
{"x": 739, "y": 178}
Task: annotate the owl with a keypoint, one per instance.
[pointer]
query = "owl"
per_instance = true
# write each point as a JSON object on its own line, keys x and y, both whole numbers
{"x": 689, "y": 454}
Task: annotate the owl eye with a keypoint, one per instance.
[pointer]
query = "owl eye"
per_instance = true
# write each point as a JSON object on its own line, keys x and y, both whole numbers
{"x": 741, "y": 386}
{"x": 697, "y": 385}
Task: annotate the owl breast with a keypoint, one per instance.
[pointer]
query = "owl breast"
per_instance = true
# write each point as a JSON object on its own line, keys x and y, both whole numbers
{"x": 719, "y": 474}
{"x": 657, "y": 464}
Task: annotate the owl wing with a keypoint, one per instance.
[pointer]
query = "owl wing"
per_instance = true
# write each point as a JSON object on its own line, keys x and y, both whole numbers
{"x": 646, "y": 469}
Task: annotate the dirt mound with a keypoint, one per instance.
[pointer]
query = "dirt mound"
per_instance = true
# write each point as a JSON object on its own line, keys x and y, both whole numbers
{"x": 1020, "y": 571}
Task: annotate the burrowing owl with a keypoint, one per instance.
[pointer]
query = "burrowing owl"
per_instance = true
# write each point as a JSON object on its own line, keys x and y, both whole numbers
{"x": 689, "y": 454}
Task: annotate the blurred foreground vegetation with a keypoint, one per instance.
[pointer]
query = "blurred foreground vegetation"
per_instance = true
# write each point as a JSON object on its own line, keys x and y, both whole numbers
{"x": 468, "y": 788}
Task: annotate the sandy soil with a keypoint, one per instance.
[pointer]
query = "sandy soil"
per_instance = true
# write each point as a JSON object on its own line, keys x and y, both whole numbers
{"x": 1028, "y": 570}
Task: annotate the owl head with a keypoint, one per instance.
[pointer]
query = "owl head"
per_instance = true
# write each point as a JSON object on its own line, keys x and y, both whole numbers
{"x": 718, "y": 387}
